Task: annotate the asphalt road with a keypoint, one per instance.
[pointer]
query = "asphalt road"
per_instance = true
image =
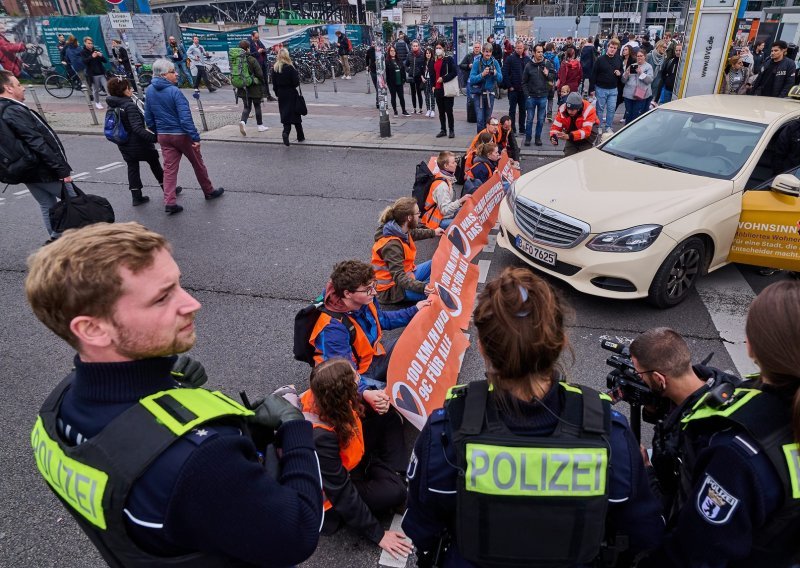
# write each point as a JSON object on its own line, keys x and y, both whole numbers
{"x": 253, "y": 258}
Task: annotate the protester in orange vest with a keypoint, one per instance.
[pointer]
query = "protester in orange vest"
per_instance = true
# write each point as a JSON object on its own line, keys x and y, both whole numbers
{"x": 575, "y": 124}
{"x": 483, "y": 167}
{"x": 361, "y": 454}
{"x": 469, "y": 157}
{"x": 394, "y": 254}
{"x": 348, "y": 302}
{"x": 441, "y": 205}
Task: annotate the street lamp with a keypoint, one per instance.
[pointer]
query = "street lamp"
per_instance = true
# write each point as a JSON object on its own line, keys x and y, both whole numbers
{"x": 380, "y": 69}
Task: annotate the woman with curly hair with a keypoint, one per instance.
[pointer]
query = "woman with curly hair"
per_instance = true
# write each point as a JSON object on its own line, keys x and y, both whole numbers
{"x": 361, "y": 456}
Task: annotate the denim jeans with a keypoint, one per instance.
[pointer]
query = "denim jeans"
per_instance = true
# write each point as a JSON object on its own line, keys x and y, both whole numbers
{"x": 539, "y": 106}
{"x": 635, "y": 108}
{"x": 483, "y": 109}
{"x": 606, "y": 106}
{"x": 47, "y": 194}
{"x": 666, "y": 96}
{"x": 516, "y": 100}
{"x": 446, "y": 222}
{"x": 183, "y": 73}
{"x": 423, "y": 274}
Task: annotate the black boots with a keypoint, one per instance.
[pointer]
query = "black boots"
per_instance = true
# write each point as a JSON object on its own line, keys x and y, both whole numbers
{"x": 441, "y": 134}
{"x": 138, "y": 198}
{"x": 300, "y": 134}
{"x": 452, "y": 134}
{"x": 286, "y": 138}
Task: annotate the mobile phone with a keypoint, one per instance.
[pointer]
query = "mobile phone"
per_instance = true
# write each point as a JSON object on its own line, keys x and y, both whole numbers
{"x": 634, "y": 67}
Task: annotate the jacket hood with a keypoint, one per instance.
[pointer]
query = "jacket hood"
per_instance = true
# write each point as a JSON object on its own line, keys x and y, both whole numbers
{"x": 550, "y": 55}
{"x": 116, "y": 102}
{"x": 392, "y": 229}
{"x": 332, "y": 300}
{"x": 574, "y": 63}
{"x": 159, "y": 83}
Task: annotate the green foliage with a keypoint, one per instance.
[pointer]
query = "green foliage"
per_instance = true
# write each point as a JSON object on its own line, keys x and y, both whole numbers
{"x": 92, "y": 7}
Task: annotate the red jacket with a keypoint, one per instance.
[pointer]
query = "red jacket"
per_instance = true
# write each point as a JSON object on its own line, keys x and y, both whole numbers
{"x": 581, "y": 129}
{"x": 570, "y": 73}
{"x": 8, "y": 58}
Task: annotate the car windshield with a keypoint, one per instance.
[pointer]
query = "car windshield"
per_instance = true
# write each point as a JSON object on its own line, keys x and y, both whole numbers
{"x": 694, "y": 143}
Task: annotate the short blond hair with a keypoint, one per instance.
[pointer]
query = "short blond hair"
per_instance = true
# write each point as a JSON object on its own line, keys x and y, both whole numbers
{"x": 441, "y": 159}
{"x": 79, "y": 274}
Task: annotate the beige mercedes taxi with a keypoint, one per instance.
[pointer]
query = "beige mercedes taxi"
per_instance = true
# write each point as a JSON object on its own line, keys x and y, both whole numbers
{"x": 656, "y": 205}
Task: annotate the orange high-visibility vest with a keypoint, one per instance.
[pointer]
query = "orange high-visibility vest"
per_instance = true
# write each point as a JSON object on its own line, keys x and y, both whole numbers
{"x": 432, "y": 216}
{"x": 352, "y": 453}
{"x": 383, "y": 277}
{"x": 363, "y": 350}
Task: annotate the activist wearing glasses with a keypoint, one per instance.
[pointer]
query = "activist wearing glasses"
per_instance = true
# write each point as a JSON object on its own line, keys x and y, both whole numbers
{"x": 528, "y": 456}
{"x": 361, "y": 456}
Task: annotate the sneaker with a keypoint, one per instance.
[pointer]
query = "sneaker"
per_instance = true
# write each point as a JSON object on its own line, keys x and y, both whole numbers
{"x": 98, "y": 106}
{"x": 172, "y": 209}
{"x": 608, "y": 130}
{"x": 527, "y": 142}
{"x": 241, "y": 128}
{"x": 538, "y": 142}
{"x": 214, "y": 194}
{"x": 405, "y": 113}
{"x": 262, "y": 128}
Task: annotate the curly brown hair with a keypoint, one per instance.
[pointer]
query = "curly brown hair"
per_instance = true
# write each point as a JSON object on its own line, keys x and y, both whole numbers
{"x": 335, "y": 389}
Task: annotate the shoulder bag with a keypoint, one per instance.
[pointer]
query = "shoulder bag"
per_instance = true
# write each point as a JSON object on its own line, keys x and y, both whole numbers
{"x": 300, "y": 103}
{"x": 79, "y": 211}
{"x": 451, "y": 88}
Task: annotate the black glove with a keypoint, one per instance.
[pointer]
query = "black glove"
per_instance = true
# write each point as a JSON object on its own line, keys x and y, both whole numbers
{"x": 189, "y": 371}
{"x": 274, "y": 411}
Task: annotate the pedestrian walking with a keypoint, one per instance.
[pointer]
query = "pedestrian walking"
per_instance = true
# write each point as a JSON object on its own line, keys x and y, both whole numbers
{"x": 344, "y": 48}
{"x": 177, "y": 55}
{"x": 167, "y": 114}
{"x": 73, "y": 54}
{"x": 198, "y": 57}
{"x": 638, "y": 78}
{"x": 246, "y": 69}
{"x": 259, "y": 50}
{"x": 415, "y": 67}
{"x": 427, "y": 79}
{"x": 93, "y": 60}
{"x": 64, "y": 60}
{"x": 396, "y": 80}
{"x": 371, "y": 63}
{"x": 36, "y": 156}
{"x": 483, "y": 80}
{"x": 140, "y": 146}
{"x": 285, "y": 81}
{"x": 443, "y": 69}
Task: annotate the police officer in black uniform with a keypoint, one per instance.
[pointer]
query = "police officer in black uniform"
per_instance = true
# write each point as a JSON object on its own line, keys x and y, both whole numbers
{"x": 663, "y": 361}
{"x": 524, "y": 469}
{"x": 154, "y": 471}
{"x": 740, "y": 455}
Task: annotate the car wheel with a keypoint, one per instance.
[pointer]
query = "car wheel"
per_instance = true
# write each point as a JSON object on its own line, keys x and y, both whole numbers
{"x": 678, "y": 274}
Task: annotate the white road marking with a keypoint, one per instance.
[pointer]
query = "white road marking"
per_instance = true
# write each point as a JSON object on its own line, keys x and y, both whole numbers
{"x": 113, "y": 168}
{"x": 101, "y": 168}
{"x": 491, "y": 244}
{"x": 23, "y": 192}
{"x": 386, "y": 558}
{"x": 80, "y": 175}
{"x": 483, "y": 267}
{"x": 727, "y": 296}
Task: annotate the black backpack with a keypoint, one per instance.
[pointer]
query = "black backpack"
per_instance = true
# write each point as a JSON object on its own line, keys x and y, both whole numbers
{"x": 304, "y": 323}
{"x": 422, "y": 183}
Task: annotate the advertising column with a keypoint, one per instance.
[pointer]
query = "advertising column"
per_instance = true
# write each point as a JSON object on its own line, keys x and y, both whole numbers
{"x": 711, "y": 26}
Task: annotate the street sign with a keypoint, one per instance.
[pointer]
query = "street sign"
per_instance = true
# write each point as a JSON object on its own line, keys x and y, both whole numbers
{"x": 115, "y": 2}
{"x": 121, "y": 20}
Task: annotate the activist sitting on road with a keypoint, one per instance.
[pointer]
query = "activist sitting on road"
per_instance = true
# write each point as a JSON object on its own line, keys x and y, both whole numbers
{"x": 484, "y": 165}
{"x": 441, "y": 205}
{"x": 361, "y": 454}
{"x": 493, "y": 128}
{"x": 469, "y": 157}
{"x": 742, "y": 468}
{"x": 350, "y": 292}
{"x": 394, "y": 253}
{"x": 508, "y": 141}
{"x": 526, "y": 416}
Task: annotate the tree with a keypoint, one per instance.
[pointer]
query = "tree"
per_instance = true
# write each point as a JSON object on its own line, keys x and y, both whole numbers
{"x": 94, "y": 7}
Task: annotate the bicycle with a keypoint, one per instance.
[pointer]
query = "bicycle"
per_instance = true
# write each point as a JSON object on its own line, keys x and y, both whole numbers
{"x": 216, "y": 77}
{"x": 58, "y": 85}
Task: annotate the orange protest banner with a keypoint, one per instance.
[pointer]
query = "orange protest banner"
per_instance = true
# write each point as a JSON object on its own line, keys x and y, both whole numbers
{"x": 425, "y": 362}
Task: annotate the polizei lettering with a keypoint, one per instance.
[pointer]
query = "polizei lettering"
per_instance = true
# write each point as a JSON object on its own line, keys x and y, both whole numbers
{"x": 539, "y": 472}
{"x": 81, "y": 486}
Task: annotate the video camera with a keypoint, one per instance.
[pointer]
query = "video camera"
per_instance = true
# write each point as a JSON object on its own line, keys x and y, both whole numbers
{"x": 623, "y": 382}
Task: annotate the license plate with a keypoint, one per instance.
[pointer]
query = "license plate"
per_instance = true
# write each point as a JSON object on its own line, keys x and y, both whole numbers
{"x": 546, "y": 256}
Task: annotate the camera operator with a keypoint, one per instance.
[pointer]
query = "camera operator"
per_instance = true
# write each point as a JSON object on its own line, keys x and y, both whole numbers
{"x": 662, "y": 360}
{"x": 742, "y": 463}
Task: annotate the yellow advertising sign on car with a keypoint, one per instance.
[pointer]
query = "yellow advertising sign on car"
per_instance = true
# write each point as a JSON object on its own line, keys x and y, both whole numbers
{"x": 769, "y": 230}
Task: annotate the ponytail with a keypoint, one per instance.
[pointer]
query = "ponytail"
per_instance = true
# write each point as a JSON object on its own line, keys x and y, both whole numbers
{"x": 399, "y": 211}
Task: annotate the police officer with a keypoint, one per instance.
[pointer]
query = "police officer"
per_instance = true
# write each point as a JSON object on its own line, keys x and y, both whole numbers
{"x": 524, "y": 469}
{"x": 662, "y": 360}
{"x": 741, "y": 456}
{"x": 154, "y": 471}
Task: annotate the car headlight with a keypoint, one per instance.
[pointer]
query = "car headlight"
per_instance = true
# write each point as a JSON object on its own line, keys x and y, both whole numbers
{"x": 511, "y": 196}
{"x": 628, "y": 240}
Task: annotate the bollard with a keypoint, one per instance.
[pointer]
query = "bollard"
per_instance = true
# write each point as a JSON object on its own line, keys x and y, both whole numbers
{"x": 314, "y": 79}
{"x": 32, "y": 91}
{"x": 333, "y": 76}
{"x": 196, "y": 95}
{"x": 89, "y": 103}
{"x": 369, "y": 80}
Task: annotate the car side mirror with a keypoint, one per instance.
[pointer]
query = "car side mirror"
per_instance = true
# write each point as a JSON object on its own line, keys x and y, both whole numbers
{"x": 787, "y": 184}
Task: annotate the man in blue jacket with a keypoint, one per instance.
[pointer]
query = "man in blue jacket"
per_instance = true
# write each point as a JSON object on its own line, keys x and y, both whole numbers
{"x": 167, "y": 113}
{"x": 512, "y": 74}
{"x": 483, "y": 81}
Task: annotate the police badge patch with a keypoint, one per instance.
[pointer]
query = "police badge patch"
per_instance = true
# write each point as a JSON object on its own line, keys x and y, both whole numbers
{"x": 714, "y": 503}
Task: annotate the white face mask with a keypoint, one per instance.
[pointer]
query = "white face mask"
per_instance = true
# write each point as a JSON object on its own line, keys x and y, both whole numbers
{"x": 439, "y": 52}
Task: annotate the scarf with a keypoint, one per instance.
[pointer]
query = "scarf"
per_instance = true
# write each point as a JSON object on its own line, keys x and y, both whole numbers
{"x": 658, "y": 60}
